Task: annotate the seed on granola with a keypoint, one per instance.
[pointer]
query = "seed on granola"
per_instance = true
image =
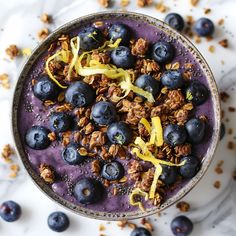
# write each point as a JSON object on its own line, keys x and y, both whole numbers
{"x": 183, "y": 206}
{"x": 12, "y": 51}
{"x": 46, "y": 173}
{"x": 217, "y": 184}
{"x": 45, "y": 18}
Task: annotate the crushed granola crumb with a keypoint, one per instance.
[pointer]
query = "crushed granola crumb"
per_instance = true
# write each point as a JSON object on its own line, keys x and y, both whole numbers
{"x": 95, "y": 167}
{"x": 147, "y": 224}
{"x": 230, "y": 145}
{"x": 143, "y": 3}
{"x": 217, "y": 184}
{"x": 207, "y": 11}
{"x": 161, "y": 7}
{"x": 4, "y": 81}
{"x": 45, "y": 18}
{"x": 43, "y": 33}
{"x": 232, "y": 109}
{"x": 183, "y": 206}
{"x": 7, "y": 152}
{"x": 211, "y": 49}
{"x": 124, "y": 3}
{"x": 14, "y": 169}
{"x": 140, "y": 47}
{"x": 224, "y": 43}
{"x": 102, "y": 227}
{"x": 194, "y": 2}
{"x": 224, "y": 96}
{"x": 52, "y": 136}
{"x": 104, "y": 3}
{"x": 46, "y": 173}
{"x": 12, "y": 51}
{"x": 221, "y": 21}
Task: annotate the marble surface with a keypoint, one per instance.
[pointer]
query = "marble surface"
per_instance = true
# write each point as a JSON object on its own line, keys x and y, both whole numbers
{"x": 213, "y": 211}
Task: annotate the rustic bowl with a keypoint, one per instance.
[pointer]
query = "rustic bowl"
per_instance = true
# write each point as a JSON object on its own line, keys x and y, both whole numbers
{"x": 86, "y": 20}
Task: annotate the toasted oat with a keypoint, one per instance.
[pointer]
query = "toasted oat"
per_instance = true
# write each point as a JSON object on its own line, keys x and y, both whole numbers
{"x": 104, "y": 3}
{"x": 124, "y": 3}
{"x": 211, "y": 48}
{"x": 194, "y": 2}
{"x": 143, "y": 3}
{"x": 146, "y": 66}
{"x": 217, "y": 184}
{"x": 45, "y": 18}
{"x": 140, "y": 47}
{"x": 221, "y": 21}
{"x": 190, "y": 20}
{"x": 89, "y": 128}
{"x": 12, "y": 51}
{"x": 183, "y": 206}
{"x": 4, "y": 81}
{"x": 43, "y": 33}
{"x": 46, "y": 173}
{"x": 7, "y": 152}
{"x": 224, "y": 43}
{"x": 161, "y": 7}
{"x": 175, "y": 99}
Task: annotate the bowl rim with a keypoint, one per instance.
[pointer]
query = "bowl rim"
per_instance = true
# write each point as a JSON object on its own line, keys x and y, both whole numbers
{"x": 121, "y": 215}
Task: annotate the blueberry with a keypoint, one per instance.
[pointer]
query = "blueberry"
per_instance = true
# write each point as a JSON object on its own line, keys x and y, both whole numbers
{"x": 195, "y": 129}
{"x": 60, "y": 122}
{"x": 181, "y": 226}
{"x": 90, "y": 38}
{"x": 45, "y": 89}
{"x": 163, "y": 52}
{"x": 172, "y": 79}
{"x": 148, "y": 83}
{"x": 119, "y": 133}
{"x": 190, "y": 168}
{"x": 70, "y": 154}
{"x": 204, "y": 27}
{"x": 121, "y": 31}
{"x": 140, "y": 231}
{"x": 104, "y": 113}
{"x": 122, "y": 57}
{"x": 37, "y": 137}
{"x": 10, "y": 211}
{"x": 197, "y": 93}
{"x": 175, "y": 21}
{"x": 113, "y": 171}
{"x": 169, "y": 174}
{"x": 222, "y": 131}
{"x": 58, "y": 221}
{"x": 88, "y": 191}
{"x": 80, "y": 94}
{"x": 174, "y": 135}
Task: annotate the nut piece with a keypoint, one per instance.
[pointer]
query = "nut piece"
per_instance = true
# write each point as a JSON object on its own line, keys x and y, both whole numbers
{"x": 12, "y": 51}
{"x": 183, "y": 206}
{"x": 140, "y": 47}
{"x": 46, "y": 173}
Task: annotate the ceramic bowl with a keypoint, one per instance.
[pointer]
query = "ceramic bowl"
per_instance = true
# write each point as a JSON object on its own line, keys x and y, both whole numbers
{"x": 70, "y": 27}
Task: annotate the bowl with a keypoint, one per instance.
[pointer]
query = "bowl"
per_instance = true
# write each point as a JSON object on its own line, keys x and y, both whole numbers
{"x": 179, "y": 193}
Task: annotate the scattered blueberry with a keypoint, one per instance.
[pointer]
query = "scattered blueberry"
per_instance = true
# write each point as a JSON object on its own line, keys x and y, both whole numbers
{"x": 148, "y": 83}
{"x": 174, "y": 135}
{"x": 58, "y": 221}
{"x": 120, "y": 30}
{"x": 90, "y": 38}
{"x": 70, "y": 154}
{"x": 195, "y": 129}
{"x": 140, "y": 231}
{"x": 172, "y": 79}
{"x": 88, "y": 191}
{"x": 169, "y": 174}
{"x": 37, "y": 137}
{"x": 222, "y": 131}
{"x": 197, "y": 93}
{"x": 10, "y": 211}
{"x": 104, "y": 113}
{"x": 204, "y": 27}
{"x": 60, "y": 121}
{"x": 122, "y": 57}
{"x": 45, "y": 89}
{"x": 113, "y": 171}
{"x": 80, "y": 94}
{"x": 191, "y": 166}
{"x": 181, "y": 226}
{"x": 175, "y": 21}
{"x": 163, "y": 52}
{"x": 119, "y": 133}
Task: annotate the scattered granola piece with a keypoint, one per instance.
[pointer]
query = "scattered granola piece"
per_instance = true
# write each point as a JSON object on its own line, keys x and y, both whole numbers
{"x": 230, "y": 145}
{"x": 46, "y": 173}
{"x": 194, "y": 2}
{"x": 43, "y": 33}
{"x": 14, "y": 170}
{"x": 140, "y": 47}
{"x": 232, "y": 109}
{"x": 217, "y": 184}
{"x": 102, "y": 227}
{"x": 12, "y": 51}
{"x": 4, "y": 81}
{"x": 95, "y": 167}
{"x": 224, "y": 43}
{"x": 207, "y": 11}
{"x": 224, "y": 96}
{"x": 45, "y": 18}
{"x": 197, "y": 39}
{"x": 221, "y": 21}
{"x": 162, "y": 7}
{"x": 209, "y": 38}
{"x": 7, "y": 152}
{"x": 122, "y": 223}
{"x": 230, "y": 131}
{"x": 183, "y": 206}
{"x": 104, "y": 3}
{"x": 124, "y": 3}
{"x": 143, "y": 3}
{"x": 52, "y": 136}
{"x": 211, "y": 49}
{"x": 147, "y": 224}
{"x": 26, "y": 51}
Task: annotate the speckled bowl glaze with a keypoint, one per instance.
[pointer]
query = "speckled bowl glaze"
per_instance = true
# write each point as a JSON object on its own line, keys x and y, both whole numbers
{"x": 70, "y": 27}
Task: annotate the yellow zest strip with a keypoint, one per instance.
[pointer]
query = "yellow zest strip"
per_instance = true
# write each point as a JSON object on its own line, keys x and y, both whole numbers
{"x": 146, "y": 124}
{"x": 138, "y": 191}
{"x": 157, "y": 132}
{"x": 157, "y": 174}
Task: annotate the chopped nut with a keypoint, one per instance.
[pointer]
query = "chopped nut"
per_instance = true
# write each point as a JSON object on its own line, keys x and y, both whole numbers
{"x": 143, "y": 3}
{"x": 43, "y": 33}
{"x": 7, "y": 152}
{"x": 140, "y": 47}
{"x": 46, "y": 173}
{"x": 52, "y": 136}
{"x": 183, "y": 206}
{"x": 95, "y": 167}
{"x": 211, "y": 49}
{"x": 12, "y": 51}
{"x": 146, "y": 181}
{"x": 194, "y": 2}
{"x": 82, "y": 151}
{"x": 217, "y": 184}
{"x": 4, "y": 81}
{"x": 224, "y": 43}
{"x": 197, "y": 39}
{"x": 77, "y": 136}
{"x": 45, "y": 18}
{"x": 104, "y": 3}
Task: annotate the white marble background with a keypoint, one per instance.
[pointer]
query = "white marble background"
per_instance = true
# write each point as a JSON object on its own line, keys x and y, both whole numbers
{"x": 213, "y": 211}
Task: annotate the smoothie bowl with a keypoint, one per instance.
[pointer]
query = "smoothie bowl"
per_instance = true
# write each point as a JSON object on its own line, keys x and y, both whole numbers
{"x": 116, "y": 116}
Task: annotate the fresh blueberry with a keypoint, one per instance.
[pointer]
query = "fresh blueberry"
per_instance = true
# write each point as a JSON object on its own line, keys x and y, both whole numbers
{"x": 70, "y": 154}
{"x": 169, "y": 174}
{"x": 104, "y": 113}
{"x": 10, "y": 211}
{"x": 222, "y": 131}
{"x": 181, "y": 226}
{"x": 197, "y": 93}
{"x": 90, "y": 38}
{"x": 58, "y": 221}
{"x": 175, "y": 21}
{"x": 163, "y": 52}
{"x": 172, "y": 79}
{"x": 113, "y": 171}
{"x": 37, "y": 137}
{"x": 195, "y": 129}
{"x": 174, "y": 135}
{"x": 88, "y": 191}
{"x": 80, "y": 94}
{"x": 148, "y": 83}
{"x": 120, "y": 31}
{"x": 45, "y": 89}
{"x": 204, "y": 27}
{"x": 190, "y": 168}
{"x": 140, "y": 231}
{"x": 119, "y": 133}
{"x": 122, "y": 57}
{"x": 60, "y": 122}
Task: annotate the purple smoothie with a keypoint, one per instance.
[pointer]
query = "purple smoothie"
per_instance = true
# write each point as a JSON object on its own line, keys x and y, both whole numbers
{"x": 32, "y": 112}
